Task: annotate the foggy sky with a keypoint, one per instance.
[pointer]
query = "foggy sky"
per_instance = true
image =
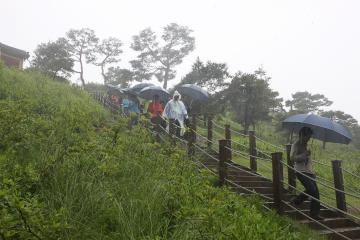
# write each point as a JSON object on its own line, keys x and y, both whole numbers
{"x": 303, "y": 45}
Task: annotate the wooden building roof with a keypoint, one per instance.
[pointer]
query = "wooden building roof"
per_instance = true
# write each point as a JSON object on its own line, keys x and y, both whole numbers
{"x": 13, "y": 51}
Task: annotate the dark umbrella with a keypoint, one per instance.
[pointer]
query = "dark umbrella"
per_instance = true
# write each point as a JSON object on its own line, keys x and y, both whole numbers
{"x": 129, "y": 91}
{"x": 113, "y": 88}
{"x": 149, "y": 93}
{"x": 130, "y": 94}
{"x": 323, "y": 128}
{"x": 138, "y": 87}
{"x": 193, "y": 91}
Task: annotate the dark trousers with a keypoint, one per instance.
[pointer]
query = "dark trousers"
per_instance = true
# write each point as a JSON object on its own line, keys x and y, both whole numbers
{"x": 174, "y": 127}
{"x": 310, "y": 189}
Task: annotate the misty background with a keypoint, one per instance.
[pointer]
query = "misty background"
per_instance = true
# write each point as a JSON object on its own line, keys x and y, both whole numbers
{"x": 303, "y": 45}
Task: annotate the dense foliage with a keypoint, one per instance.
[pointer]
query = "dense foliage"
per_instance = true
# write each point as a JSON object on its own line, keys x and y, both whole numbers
{"x": 53, "y": 59}
{"x": 69, "y": 171}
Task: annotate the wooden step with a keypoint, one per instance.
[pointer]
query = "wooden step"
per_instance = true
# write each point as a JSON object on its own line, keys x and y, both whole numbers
{"x": 349, "y": 232}
{"x": 325, "y": 213}
{"x": 287, "y": 197}
{"x": 254, "y": 183}
{"x": 337, "y": 222}
{"x": 246, "y": 178}
{"x": 214, "y": 166}
{"x": 234, "y": 173}
{"x": 261, "y": 190}
{"x": 305, "y": 205}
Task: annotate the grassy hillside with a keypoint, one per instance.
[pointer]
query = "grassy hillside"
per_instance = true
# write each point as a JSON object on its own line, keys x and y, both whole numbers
{"x": 68, "y": 170}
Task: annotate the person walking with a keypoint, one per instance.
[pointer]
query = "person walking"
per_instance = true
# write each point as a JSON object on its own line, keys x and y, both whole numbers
{"x": 300, "y": 155}
{"x": 134, "y": 110}
{"x": 125, "y": 105}
{"x": 176, "y": 112}
{"x": 156, "y": 110}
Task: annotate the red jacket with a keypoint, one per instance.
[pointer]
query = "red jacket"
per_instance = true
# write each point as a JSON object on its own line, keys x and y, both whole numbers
{"x": 155, "y": 108}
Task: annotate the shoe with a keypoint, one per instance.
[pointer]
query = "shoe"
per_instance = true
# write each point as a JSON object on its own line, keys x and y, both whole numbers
{"x": 317, "y": 217}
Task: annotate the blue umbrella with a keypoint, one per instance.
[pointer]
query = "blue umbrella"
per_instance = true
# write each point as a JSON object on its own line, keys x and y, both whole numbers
{"x": 193, "y": 91}
{"x": 323, "y": 128}
{"x": 149, "y": 93}
{"x": 138, "y": 87}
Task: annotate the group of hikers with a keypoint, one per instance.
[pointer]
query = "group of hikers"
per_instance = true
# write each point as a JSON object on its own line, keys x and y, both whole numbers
{"x": 161, "y": 113}
{"x": 174, "y": 111}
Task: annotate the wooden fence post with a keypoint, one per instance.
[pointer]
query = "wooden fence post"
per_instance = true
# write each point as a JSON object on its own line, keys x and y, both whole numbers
{"x": 228, "y": 137}
{"x": 191, "y": 146}
{"x": 252, "y": 151}
{"x": 339, "y": 185}
{"x": 277, "y": 181}
{"x": 291, "y": 172}
{"x": 193, "y": 126}
{"x": 223, "y": 160}
{"x": 210, "y": 131}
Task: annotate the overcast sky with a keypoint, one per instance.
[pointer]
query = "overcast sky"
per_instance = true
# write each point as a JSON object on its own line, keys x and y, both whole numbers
{"x": 303, "y": 45}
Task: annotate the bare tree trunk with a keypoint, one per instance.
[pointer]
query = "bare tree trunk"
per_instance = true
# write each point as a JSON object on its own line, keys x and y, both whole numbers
{"x": 165, "y": 82}
{"x": 103, "y": 73}
{"x": 81, "y": 71}
{"x": 166, "y": 77}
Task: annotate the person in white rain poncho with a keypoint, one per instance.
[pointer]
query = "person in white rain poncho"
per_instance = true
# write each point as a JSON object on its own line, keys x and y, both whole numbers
{"x": 176, "y": 110}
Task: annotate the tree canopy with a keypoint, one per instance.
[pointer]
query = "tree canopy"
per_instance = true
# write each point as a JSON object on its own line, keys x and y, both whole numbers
{"x": 119, "y": 76}
{"x": 160, "y": 61}
{"x": 81, "y": 44}
{"x": 210, "y": 75}
{"x": 251, "y": 99}
{"x": 53, "y": 59}
{"x": 304, "y": 102}
{"x": 109, "y": 51}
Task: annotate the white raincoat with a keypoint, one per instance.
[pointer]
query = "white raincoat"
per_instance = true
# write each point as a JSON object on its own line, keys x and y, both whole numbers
{"x": 175, "y": 109}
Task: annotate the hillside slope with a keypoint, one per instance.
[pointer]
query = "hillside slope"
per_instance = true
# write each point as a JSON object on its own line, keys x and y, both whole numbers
{"x": 70, "y": 171}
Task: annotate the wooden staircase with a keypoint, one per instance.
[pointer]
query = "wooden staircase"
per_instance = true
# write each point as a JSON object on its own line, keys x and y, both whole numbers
{"x": 246, "y": 182}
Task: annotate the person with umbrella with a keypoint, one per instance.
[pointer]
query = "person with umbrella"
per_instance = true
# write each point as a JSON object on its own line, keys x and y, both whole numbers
{"x": 156, "y": 109}
{"x": 131, "y": 108}
{"x": 323, "y": 129}
{"x": 175, "y": 110}
{"x": 300, "y": 155}
{"x": 195, "y": 97}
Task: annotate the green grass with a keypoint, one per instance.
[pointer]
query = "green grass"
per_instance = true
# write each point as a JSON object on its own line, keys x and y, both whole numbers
{"x": 68, "y": 170}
